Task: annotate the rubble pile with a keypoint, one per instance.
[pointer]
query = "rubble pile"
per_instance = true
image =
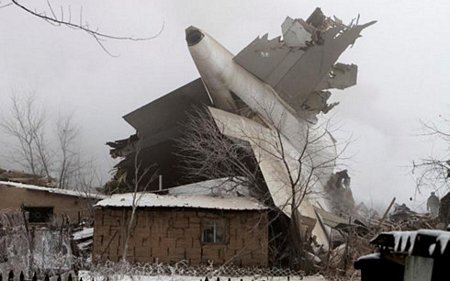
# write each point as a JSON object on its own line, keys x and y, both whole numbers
{"x": 356, "y": 240}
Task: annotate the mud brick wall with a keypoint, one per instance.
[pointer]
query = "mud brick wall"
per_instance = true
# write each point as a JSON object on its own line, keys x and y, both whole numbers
{"x": 75, "y": 208}
{"x": 173, "y": 234}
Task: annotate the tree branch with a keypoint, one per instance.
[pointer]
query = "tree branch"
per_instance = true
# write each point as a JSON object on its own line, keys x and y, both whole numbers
{"x": 97, "y": 35}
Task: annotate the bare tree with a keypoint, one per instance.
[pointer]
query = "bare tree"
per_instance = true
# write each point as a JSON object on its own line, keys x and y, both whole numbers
{"x": 69, "y": 160}
{"x": 140, "y": 184}
{"x": 26, "y": 124}
{"x": 208, "y": 153}
{"x": 62, "y": 16}
{"x": 434, "y": 171}
{"x": 42, "y": 150}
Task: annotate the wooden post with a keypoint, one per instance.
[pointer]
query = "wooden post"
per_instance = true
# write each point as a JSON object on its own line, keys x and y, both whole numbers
{"x": 385, "y": 213}
{"x": 347, "y": 245}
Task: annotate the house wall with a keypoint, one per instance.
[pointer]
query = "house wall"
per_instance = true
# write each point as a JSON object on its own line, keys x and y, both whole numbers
{"x": 444, "y": 210}
{"x": 72, "y": 206}
{"x": 171, "y": 235}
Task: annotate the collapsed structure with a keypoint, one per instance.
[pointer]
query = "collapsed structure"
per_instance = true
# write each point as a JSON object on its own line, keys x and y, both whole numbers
{"x": 266, "y": 99}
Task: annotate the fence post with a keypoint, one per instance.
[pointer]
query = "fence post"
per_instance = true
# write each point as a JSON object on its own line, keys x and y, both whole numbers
{"x": 34, "y": 277}
{"x": 21, "y": 276}
{"x": 11, "y": 276}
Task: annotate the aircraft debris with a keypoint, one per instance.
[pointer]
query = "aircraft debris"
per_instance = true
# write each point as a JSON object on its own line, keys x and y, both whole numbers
{"x": 268, "y": 96}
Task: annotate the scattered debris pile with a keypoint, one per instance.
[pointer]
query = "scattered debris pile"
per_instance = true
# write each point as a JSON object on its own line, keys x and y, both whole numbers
{"x": 339, "y": 193}
{"x": 398, "y": 227}
{"x": 82, "y": 238}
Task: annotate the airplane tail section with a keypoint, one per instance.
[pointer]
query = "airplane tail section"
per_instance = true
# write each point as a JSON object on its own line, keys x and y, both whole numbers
{"x": 289, "y": 63}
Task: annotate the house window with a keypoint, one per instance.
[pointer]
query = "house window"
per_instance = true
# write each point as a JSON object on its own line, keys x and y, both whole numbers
{"x": 213, "y": 231}
{"x": 39, "y": 214}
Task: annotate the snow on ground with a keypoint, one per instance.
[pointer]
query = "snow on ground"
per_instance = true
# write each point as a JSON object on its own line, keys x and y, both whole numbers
{"x": 84, "y": 233}
{"x": 88, "y": 276}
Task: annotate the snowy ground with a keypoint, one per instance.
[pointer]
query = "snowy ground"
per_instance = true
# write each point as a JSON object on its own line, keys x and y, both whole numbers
{"x": 88, "y": 276}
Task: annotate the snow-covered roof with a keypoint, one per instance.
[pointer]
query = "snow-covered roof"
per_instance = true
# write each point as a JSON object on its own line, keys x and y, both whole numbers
{"x": 53, "y": 190}
{"x": 221, "y": 186}
{"x": 182, "y": 201}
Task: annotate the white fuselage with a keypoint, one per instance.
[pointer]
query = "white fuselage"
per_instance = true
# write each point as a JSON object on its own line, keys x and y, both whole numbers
{"x": 223, "y": 75}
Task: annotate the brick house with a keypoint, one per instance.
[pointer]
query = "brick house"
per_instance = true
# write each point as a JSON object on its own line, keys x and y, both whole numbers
{"x": 170, "y": 228}
{"x": 45, "y": 204}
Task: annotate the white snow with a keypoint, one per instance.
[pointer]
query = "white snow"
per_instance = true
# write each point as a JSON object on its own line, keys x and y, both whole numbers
{"x": 84, "y": 233}
{"x": 412, "y": 239}
{"x": 443, "y": 239}
{"x": 431, "y": 232}
{"x": 401, "y": 239}
{"x": 84, "y": 245}
{"x": 431, "y": 249}
{"x": 182, "y": 201}
{"x": 222, "y": 186}
{"x": 53, "y": 190}
{"x": 374, "y": 256}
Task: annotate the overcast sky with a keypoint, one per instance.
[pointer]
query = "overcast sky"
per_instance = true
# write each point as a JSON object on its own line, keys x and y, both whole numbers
{"x": 403, "y": 60}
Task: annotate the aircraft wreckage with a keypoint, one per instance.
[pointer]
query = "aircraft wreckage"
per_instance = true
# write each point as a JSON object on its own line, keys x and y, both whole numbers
{"x": 284, "y": 83}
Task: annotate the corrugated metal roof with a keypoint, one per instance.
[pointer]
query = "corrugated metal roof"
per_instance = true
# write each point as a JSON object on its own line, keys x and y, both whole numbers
{"x": 53, "y": 190}
{"x": 182, "y": 201}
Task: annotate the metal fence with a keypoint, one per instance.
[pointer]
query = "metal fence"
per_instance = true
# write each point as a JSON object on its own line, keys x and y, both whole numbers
{"x": 20, "y": 276}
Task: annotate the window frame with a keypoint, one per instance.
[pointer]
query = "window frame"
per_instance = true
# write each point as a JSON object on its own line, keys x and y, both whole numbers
{"x": 216, "y": 223}
{"x": 47, "y": 213}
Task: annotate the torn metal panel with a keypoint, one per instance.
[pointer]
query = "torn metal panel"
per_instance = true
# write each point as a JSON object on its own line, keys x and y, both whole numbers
{"x": 304, "y": 77}
{"x": 267, "y": 59}
{"x": 294, "y": 33}
{"x": 157, "y": 124}
{"x": 292, "y": 66}
{"x": 123, "y": 147}
{"x": 340, "y": 77}
{"x": 317, "y": 18}
{"x": 165, "y": 113}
